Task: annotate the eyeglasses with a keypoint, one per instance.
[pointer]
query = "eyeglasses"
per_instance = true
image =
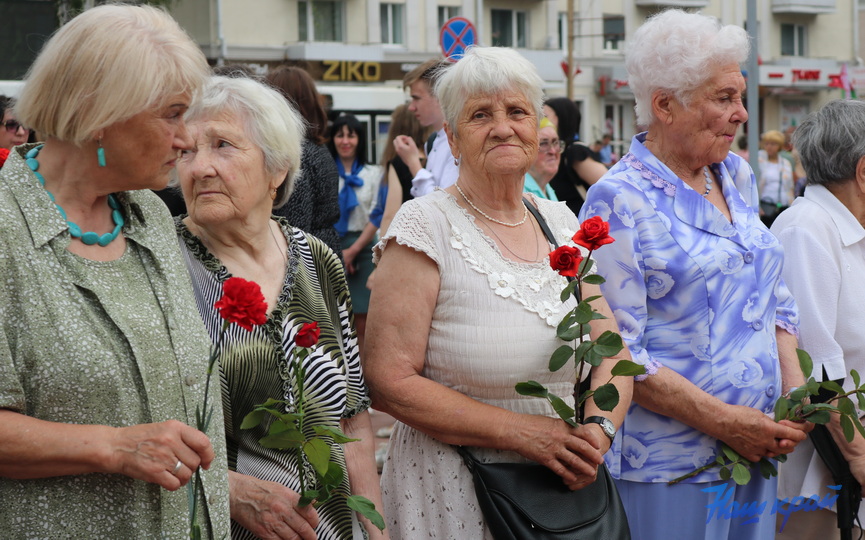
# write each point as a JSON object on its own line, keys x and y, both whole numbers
{"x": 556, "y": 146}
{"x": 13, "y": 125}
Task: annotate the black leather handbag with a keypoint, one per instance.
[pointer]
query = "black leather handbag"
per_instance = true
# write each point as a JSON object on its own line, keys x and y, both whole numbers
{"x": 527, "y": 501}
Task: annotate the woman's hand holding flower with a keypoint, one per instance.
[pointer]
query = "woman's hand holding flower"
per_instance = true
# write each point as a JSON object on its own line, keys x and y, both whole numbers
{"x": 150, "y": 452}
{"x": 754, "y": 435}
{"x": 573, "y": 453}
{"x": 269, "y": 510}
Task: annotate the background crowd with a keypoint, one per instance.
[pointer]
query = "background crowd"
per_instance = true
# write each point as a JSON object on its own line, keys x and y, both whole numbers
{"x": 428, "y": 277}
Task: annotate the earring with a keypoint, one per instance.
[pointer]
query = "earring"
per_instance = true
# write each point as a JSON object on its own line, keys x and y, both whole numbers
{"x": 457, "y": 161}
{"x": 273, "y": 194}
{"x": 100, "y": 153}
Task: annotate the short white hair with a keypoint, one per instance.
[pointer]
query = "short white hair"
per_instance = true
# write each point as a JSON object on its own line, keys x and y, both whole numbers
{"x": 487, "y": 71}
{"x": 269, "y": 121}
{"x": 677, "y": 52}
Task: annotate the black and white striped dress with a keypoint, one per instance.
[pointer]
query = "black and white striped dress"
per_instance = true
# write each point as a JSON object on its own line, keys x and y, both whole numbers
{"x": 254, "y": 364}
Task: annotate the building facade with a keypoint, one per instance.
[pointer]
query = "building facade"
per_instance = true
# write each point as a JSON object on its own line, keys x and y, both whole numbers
{"x": 359, "y": 50}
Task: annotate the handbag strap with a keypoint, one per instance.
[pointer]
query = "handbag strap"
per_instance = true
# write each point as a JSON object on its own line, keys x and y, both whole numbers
{"x": 544, "y": 227}
{"x": 542, "y": 222}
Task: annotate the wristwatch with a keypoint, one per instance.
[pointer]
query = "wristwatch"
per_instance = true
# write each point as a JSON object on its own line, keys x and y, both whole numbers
{"x": 605, "y": 423}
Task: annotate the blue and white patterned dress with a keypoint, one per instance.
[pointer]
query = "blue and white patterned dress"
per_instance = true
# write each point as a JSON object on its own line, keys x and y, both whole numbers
{"x": 691, "y": 292}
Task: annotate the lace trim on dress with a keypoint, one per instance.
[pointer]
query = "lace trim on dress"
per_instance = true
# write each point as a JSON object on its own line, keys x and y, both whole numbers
{"x": 645, "y": 172}
{"x": 791, "y": 329}
{"x": 534, "y": 285}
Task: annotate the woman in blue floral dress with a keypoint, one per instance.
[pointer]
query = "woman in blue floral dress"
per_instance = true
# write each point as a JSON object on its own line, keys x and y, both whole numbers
{"x": 694, "y": 280}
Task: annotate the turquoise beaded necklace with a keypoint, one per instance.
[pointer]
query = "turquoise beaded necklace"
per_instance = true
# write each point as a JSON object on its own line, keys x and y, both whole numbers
{"x": 89, "y": 238}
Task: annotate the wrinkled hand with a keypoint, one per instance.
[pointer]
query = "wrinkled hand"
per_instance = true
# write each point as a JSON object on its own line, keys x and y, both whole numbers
{"x": 573, "y": 453}
{"x": 150, "y": 452}
{"x": 269, "y": 510}
{"x": 754, "y": 435}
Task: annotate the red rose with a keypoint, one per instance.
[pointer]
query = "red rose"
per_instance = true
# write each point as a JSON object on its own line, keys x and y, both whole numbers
{"x": 308, "y": 335}
{"x": 594, "y": 233}
{"x": 566, "y": 261}
{"x": 242, "y": 303}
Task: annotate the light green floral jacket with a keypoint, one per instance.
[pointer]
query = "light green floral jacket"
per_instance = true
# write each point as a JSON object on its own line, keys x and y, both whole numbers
{"x": 84, "y": 342}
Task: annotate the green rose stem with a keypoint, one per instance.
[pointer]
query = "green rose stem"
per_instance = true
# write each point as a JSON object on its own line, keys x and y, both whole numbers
{"x": 287, "y": 433}
{"x": 300, "y": 377}
{"x": 797, "y": 408}
{"x": 568, "y": 262}
{"x": 202, "y": 423}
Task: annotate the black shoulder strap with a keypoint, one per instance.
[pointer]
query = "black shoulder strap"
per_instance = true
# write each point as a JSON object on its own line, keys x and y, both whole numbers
{"x": 542, "y": 222}
{"x": 544, "y": 227}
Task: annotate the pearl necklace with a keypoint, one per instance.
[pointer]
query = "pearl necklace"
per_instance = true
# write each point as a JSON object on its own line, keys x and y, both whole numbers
{"x": 89, "y": 238}
{"x": 708, "y": 181}
{"x": 494, "y": 220}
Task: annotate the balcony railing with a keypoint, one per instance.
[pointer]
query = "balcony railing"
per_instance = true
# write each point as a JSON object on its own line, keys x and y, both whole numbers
{"x": 803, "y": 6}
{"x": 674, "y": 3}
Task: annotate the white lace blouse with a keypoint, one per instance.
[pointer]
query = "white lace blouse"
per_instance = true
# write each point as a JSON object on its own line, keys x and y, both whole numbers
{"x": 493, "y": 326}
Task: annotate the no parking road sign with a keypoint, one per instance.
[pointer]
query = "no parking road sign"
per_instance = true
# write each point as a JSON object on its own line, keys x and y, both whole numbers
{"x": 456, "y": 36}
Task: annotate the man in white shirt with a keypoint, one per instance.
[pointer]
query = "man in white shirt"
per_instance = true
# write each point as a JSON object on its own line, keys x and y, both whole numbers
{"x": 441, "y": 168}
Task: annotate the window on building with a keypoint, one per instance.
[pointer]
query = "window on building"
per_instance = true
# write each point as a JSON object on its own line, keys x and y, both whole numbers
{"x": 563, "y": 30}
{"x": 392, "y": 23}
{"x": 320, "y": 20}
{"x": 614, "y": 32}
{"x": 509, "y": 28}
{"x": 792, "y": 39}
{"x": 447, "y": 13}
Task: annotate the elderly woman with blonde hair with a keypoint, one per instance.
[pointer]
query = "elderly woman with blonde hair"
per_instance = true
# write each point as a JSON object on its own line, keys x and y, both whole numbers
{"x": 776, "y": 183}
{"x": 102, "y": 356}
{"x": 694, "y": 280}
{"x": 471, "y": 309}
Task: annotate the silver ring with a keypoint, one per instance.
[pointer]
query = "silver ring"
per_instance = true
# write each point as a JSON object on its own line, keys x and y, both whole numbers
{"x": 177, "y": 467}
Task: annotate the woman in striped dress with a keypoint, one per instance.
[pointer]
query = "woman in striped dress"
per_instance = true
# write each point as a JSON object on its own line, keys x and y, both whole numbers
{"x": 242, "y": 165}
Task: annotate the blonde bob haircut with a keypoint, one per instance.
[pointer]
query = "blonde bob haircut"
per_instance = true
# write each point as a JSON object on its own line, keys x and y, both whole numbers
{"x": 105, "y": 66}
{"x": 773, "y": 135}
{"x": 487, "y": 71}
{"x": 267, "y": 118}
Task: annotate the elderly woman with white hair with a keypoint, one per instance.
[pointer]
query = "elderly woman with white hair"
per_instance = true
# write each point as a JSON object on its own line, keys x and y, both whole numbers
{"x": 471, "y": 309}
{"x": 694, "y": 280}
{"x": 102, "y": 357}
{"x": 823, "y": 235}
{"x": 242, "y": 165}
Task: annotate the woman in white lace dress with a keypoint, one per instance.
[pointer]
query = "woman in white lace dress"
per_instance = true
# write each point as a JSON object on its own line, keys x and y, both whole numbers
{"x": 471, "y": 309}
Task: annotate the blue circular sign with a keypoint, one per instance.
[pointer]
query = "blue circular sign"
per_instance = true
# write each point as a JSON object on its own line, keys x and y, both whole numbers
{"x": 456, "y": 36}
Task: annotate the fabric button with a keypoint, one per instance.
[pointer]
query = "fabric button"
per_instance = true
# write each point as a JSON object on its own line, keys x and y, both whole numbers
{"x": 770, "y": 390}
{"x": 757, "y": 324}
{"x": 749, "y": 257}
{"x": 190, "y": 380}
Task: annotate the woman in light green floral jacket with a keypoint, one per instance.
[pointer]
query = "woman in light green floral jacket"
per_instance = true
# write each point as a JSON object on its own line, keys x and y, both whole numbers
{"x": 102, "y": 353}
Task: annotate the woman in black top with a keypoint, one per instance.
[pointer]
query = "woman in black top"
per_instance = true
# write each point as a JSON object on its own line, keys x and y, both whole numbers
{"x": 578, "y": 169}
